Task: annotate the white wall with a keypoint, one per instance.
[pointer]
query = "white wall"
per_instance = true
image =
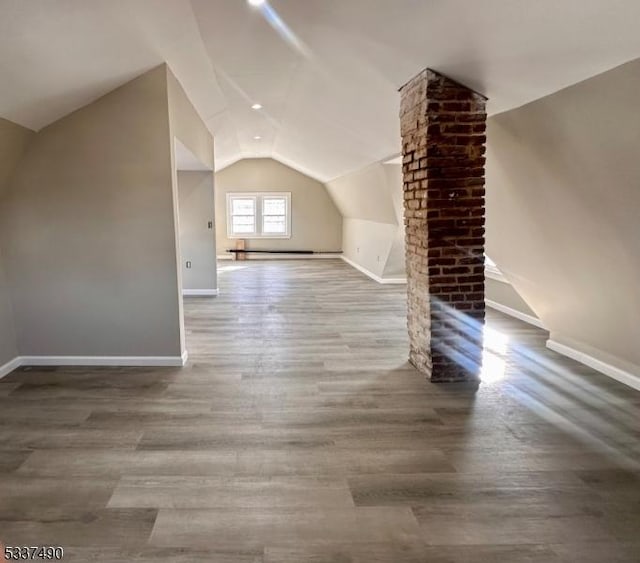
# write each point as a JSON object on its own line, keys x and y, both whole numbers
{"x": 367, "y": 243}
{"x": 197, "y": 240}
{"x": 563, "y": 209}
{"x": 316, "y": 223}
{"x": 505, "y": 294}
{"x": 370, "y": 201}
{"x": 186, "y": 124}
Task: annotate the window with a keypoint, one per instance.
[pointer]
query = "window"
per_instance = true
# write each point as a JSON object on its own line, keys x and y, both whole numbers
{"x": 259, "y": 215}
{"x": 243, "y": 215}
{"x": 274, "y": 215}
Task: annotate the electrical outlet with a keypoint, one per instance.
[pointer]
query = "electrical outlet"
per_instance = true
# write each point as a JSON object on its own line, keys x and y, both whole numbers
{"x": 210, "y": 224}
{"x": 358, "y": 250}
{"x": 378, "y": 257}
{"x": 188, "y": 264}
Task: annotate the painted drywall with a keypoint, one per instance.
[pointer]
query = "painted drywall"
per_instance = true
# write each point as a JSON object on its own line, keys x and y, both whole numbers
{"x": 395, "y": 266}
{"x": 89, "y": 232}
{"x": 187, "y": 127}
{"x": 563, "y": 209}
{"x": 316, "y": 223}
{"x": 505, "y": 294}
{"x": 370, "y": 201}
{"x": 186, "y": 123}
{"x": 367, "y": 243}
{"x": 197, "y": 240}
{"x": 8, "y": 342}
{"x": 13, "y": 142}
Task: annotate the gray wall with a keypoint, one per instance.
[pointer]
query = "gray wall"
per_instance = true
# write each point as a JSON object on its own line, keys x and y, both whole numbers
{"x": 563, "y": 204}
{"x": 197, "y": 241}
{"x": 316, "y": 222}
{"x": 89, "y": 230}
{"x": 13, "y": 142}
{"x": 8, "y": 342}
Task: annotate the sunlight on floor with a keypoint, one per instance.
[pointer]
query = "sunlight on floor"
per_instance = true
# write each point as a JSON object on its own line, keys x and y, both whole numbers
{"x": 576, "y": 405}
{"x": 496, "y": 347}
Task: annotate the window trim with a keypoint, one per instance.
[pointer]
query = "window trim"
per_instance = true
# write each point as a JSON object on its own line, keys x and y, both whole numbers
{"x": 258, "y": 198}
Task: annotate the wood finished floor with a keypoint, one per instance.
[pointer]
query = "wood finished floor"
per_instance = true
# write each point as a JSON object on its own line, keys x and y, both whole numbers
{"x": 298, "y": 433}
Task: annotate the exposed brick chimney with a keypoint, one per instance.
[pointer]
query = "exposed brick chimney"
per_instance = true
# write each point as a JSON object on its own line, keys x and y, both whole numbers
{"x": 443, "y": 144}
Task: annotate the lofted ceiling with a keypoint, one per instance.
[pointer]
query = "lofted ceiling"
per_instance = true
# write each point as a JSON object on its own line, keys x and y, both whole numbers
{"x": 325, "y": 71}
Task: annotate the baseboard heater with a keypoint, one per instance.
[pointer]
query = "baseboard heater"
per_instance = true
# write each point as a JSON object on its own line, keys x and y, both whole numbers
{"x": 243, "y": 251}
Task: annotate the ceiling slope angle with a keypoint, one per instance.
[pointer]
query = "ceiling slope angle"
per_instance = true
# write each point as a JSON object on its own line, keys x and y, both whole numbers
{"x": 326, "y": 72}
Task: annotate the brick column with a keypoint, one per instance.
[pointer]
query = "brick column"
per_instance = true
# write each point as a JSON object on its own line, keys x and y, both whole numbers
{"x": 443, "y": 144}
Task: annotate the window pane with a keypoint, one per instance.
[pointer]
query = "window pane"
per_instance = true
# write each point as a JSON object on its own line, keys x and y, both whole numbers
{"x": 274, "y": 206}
{"x": 242, "y": 206}
{"x": 243, "y": 224}
{"x": 274, "y": 225}
{"x": 243, "y": 220}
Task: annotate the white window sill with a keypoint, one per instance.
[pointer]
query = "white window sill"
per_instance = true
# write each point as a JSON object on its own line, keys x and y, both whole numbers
{"x": 258, "y": 237}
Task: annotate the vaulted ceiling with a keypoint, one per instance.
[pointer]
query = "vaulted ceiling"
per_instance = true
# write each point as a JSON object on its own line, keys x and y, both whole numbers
{"x": 325, "y": 71}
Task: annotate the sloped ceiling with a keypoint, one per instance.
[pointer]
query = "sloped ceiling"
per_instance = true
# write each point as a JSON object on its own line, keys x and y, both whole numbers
{"x": 371, "y": 204}
{"x": 325, "y": 71}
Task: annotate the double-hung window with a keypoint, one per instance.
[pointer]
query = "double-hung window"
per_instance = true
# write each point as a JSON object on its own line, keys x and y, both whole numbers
{"x": 242, "y": 215}
{"x": 259, "y": 215}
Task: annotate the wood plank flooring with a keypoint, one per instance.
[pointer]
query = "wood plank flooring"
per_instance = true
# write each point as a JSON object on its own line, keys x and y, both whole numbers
{"x": 298, "y": 433}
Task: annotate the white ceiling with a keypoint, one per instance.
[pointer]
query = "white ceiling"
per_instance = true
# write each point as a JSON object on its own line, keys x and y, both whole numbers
{"x": 327, "y": 76}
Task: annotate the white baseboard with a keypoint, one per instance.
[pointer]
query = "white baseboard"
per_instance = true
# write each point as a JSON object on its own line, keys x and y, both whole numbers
{"x": 283, "y": 256}
{"x": 373, "y": 276}
{"x": 113, "y": 361}
{"x": 7, "y": 368}
{"x": 124, "y": 361}
{"x": 514, "y": 313}
{"x": 200, "y": 292}
{"x": 621, "y": 375}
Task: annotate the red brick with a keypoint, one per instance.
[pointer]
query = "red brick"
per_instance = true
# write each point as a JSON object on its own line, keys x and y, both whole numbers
{"x": 443, "y": 125}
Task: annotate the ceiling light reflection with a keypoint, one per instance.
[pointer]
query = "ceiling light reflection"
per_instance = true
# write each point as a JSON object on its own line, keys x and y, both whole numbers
{"x": 283, "y": 30}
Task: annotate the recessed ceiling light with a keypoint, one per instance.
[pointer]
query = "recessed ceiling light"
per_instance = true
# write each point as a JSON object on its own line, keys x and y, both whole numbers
{"x": 256, "y": 2}
{"x": 256, "y": 106}
{"x": 257, "y": 138}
